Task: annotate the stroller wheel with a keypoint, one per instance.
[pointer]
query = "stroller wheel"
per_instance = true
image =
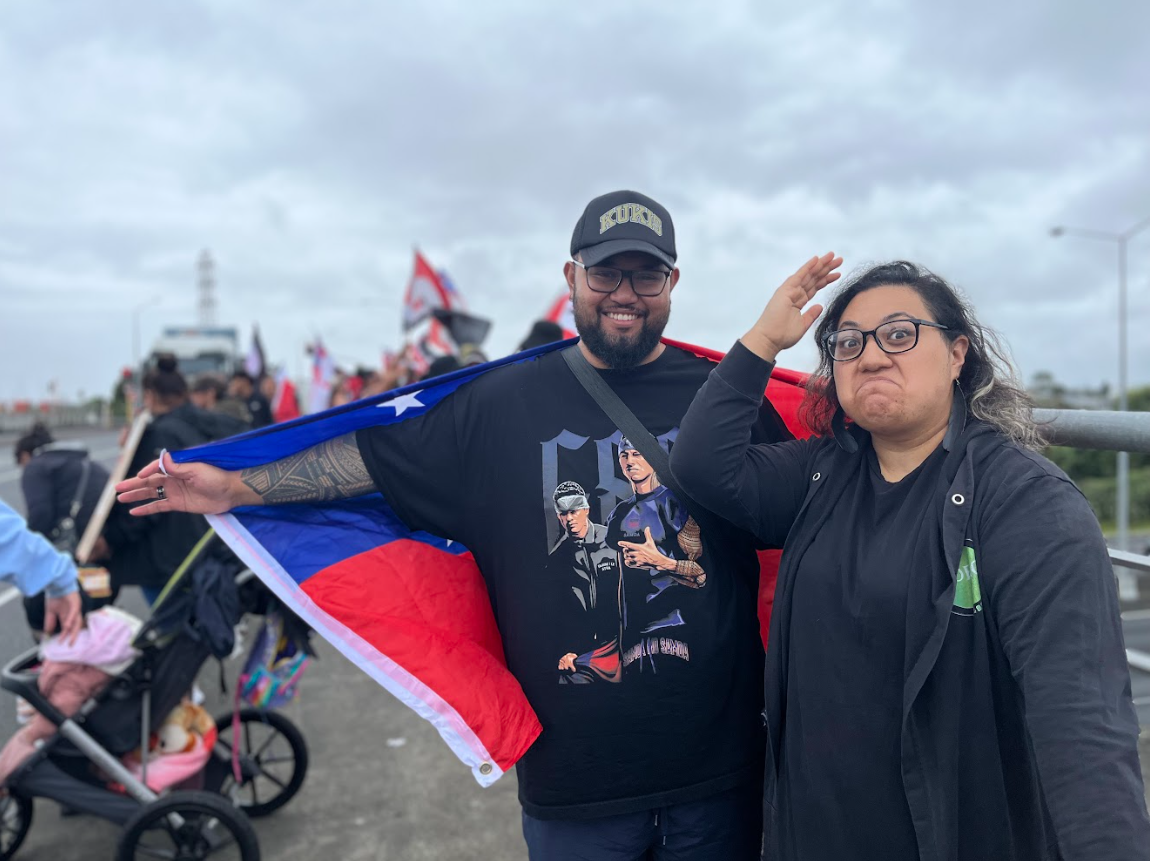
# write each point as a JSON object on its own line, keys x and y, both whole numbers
{"x": 15, "y": 820}
{"x": 189, "y": 826}
{"x": 272, "y": 757}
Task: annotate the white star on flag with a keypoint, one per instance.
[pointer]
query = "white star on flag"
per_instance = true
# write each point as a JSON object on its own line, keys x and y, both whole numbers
{"x": 404, "y": 402}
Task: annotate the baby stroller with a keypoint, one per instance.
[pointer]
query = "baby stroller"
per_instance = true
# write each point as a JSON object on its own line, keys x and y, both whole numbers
{"x": 257, "y": 765}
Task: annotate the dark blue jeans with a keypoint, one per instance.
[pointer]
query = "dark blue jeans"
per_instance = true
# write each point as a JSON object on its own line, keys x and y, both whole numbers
{"x": 725, "y": 827}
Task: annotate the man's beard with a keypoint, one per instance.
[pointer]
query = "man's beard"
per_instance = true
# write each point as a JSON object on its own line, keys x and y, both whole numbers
{"x": 619, "y": 351}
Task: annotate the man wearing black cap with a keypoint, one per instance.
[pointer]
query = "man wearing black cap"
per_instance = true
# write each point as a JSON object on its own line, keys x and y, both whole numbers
{"x": 663, "y": 762}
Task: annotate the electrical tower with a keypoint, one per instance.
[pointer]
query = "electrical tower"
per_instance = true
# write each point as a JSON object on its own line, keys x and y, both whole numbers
{"x": 206, "y": 267}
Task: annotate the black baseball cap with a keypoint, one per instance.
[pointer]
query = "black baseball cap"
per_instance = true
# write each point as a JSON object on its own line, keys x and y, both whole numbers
{"x": 623, "y": 221}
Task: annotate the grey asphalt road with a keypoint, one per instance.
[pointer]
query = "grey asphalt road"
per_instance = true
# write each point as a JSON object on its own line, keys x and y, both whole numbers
{"x": 381, "y": 784}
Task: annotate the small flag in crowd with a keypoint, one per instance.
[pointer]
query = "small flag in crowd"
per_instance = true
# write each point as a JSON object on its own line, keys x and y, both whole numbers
{"x": 254, "y": 362}
{"x": 322, "y": 377}
{"x": 285, "y": 403}
{"x": 562, "y": 313}
{"x": 426, "y": 291}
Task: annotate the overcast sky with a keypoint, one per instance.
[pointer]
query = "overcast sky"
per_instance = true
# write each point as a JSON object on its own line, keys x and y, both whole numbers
{"x": 311, "y": 145}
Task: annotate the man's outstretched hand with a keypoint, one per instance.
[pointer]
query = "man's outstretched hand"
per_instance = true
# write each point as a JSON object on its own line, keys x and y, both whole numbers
{"x": 193, "y": 487}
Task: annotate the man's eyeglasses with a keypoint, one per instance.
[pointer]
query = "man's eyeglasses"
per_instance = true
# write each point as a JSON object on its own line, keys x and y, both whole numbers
{"x": 606, "y": 279}
{"x": 896, "y": 336}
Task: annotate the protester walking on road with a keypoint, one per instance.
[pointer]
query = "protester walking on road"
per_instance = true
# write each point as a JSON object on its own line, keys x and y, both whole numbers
{"x": 946, "y": 677}
{"x": 656, "y": 747}
{"x": 146, "y": 553}
{"x": 32, "y": 565}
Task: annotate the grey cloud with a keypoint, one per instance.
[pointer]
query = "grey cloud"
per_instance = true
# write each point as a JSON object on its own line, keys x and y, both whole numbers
{"x": 312, "y": 146}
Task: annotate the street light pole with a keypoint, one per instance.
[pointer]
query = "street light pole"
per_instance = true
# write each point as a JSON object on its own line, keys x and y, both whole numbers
{"x": 1123, "y": 477}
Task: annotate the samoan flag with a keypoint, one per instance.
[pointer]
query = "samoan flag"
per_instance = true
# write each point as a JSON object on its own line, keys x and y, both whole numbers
{"x": 409, "y": 608}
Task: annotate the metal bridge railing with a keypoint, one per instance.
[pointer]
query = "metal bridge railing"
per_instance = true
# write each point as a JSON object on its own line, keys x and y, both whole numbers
{"x": 1109, "y": 431}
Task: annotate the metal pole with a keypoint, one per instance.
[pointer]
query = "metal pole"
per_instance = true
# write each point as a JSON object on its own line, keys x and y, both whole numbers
{"x": 1123, "y": 456}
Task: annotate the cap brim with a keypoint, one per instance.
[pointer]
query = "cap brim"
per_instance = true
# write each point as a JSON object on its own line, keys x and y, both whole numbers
{"x": 593, "y": 254}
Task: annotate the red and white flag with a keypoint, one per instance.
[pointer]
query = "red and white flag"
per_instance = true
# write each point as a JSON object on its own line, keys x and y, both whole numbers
{"x": 322, "y": 376}
{"x": 285, "y": 403}
{"x": 562, "y": 313}
{"x": 429, "y": 342}
{"x": 426, "y": 291}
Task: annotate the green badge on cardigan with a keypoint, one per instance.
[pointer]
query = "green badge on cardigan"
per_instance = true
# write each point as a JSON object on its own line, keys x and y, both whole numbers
{"x": 967, "y": 595}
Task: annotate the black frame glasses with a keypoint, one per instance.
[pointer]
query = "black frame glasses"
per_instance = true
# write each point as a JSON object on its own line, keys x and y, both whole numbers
{"x": 883, "y": 335}
{"x": 647, "y": 291}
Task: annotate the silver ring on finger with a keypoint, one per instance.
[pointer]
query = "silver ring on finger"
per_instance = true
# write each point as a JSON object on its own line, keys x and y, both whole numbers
{"x": 160, "y": 492}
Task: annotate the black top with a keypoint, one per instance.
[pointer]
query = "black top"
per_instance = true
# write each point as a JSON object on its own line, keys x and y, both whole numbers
{"x": 260, "y": 410}
{"x": 645, "y": 701}
{"x": 843, "y": 727}
{"x": 50, "y": 482}
{"x": 146, "y": 551}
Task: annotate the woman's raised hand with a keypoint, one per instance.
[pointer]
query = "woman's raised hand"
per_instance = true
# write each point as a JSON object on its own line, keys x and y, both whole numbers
{"x": 783, "y": 322}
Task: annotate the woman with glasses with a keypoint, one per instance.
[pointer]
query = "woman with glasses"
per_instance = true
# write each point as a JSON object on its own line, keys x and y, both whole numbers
{"x": 946, "y": 676}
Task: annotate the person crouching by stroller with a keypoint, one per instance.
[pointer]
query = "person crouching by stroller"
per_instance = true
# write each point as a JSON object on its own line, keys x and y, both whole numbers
{"x": 145, "y": 552}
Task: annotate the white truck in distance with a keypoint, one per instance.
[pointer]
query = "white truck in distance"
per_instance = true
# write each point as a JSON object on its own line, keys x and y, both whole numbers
{"x": 199, "y": 350}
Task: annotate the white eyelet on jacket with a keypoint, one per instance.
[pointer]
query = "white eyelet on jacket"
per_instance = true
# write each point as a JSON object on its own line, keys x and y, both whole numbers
{"x": 958, "y": 499}
{"x": 816, "y": 476}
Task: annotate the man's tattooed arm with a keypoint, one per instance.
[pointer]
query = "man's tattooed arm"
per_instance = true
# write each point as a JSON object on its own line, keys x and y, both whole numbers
{"x": 330, "y": 470}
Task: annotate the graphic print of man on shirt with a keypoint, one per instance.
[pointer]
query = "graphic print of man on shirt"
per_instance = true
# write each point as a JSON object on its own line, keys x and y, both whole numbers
{"x": 587, "y": 571}
{"x": 659, "y": 545}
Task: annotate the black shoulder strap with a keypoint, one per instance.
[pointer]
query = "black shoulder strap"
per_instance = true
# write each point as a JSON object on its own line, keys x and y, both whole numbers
{"x": 78, "y": 499}
{"x": 624, "y": 419}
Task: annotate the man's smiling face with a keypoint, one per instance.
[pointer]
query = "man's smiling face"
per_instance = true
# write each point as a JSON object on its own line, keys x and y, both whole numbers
{"x": 621, "y": 328}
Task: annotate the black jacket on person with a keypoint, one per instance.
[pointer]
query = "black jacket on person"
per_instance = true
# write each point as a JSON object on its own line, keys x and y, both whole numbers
{"x": 146, "y": 551}
{"x": 50, "y": 482}
{"x": 1019, "y": 736}
{"x": 260, "y": 409}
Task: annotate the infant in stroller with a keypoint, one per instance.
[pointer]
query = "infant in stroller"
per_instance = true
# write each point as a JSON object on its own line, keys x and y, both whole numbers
{"x": 81, "y": 765}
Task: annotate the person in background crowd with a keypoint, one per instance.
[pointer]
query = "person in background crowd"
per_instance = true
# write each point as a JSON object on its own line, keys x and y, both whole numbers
{"x": 55, "y": 475}
{"x": 267, "y": 387}
{"x": 470, "y": 355}
{"x": 442, "y": 365}
{"x": 209, "y": 393}
{"x": 542, "y": 332}
{"x": 665, "y": 764}
{"x": 52, "y": 475}
{"x": 342, "y": 391}
{"x": 946, "y": 677}
{"x": 32, "y": 565}
{"x": 146, "y": 552}
{"x": 374, "y": 383}
{"x": 243, "y": 388}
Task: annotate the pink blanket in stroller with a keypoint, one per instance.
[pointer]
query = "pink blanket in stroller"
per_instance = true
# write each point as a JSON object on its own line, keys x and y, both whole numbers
{"x": 67, "y": 686}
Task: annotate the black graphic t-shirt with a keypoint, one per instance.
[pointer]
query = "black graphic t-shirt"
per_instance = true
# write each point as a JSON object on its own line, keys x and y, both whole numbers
{"x": 630, "y": 626}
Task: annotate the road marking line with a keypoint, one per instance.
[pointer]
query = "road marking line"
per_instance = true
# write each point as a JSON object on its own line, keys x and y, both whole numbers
{"x": 9, "y": 595}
